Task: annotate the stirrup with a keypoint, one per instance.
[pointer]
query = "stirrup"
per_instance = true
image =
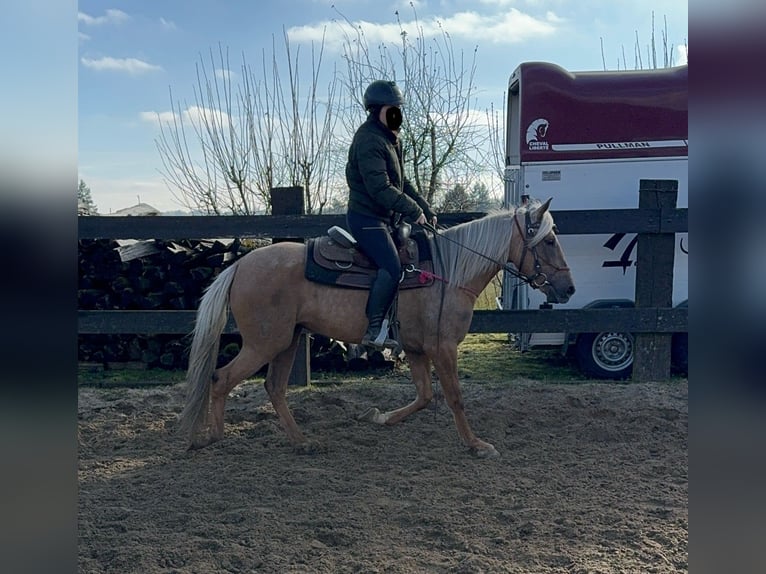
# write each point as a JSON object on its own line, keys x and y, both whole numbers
{"x": 382, "y": 340}
{"x": 369, "y": 342}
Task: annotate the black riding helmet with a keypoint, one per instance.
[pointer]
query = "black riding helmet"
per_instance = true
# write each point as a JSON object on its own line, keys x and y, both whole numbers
{"x": 382, "y": 93}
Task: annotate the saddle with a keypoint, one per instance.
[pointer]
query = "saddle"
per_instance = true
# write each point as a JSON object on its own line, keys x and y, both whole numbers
{"x": 334, "y": 259}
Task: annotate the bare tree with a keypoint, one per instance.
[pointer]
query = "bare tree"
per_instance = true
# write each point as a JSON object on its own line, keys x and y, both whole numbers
{"x": 496, "y": 129}
{"x": 311, "y": 132}
{"x": 240, "y": 140}
{"x": 440, "y": 133}
{"x": 651, "y": 51}
{"x": 249, "y": 132}
{"x": 203, "y": 149}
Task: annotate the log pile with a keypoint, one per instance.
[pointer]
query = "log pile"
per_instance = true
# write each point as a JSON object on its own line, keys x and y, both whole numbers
{"x": 169, "y": 275}
{"x": 149, "y": 275}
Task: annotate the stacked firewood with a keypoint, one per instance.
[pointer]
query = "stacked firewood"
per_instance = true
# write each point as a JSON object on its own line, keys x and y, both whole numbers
{"x": 170, "y": 275}
{"x": 149, "y": 275}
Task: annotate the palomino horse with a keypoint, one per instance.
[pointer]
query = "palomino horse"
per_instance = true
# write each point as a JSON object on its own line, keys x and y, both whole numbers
{"x": 272, "y": 302}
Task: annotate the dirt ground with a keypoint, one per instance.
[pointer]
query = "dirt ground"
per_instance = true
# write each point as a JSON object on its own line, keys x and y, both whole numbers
{"x": 592, "y": 478}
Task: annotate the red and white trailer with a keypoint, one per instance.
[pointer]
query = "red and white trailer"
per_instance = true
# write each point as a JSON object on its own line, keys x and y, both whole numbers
{"x": 586, "y": 139}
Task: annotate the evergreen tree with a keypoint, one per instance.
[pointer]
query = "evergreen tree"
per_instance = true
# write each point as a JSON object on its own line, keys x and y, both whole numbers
{"x": 455, "y": 200}
{"x": 459, "y": 199}
{"x": 85, "y": 205}
{"x": 480, "y": 198}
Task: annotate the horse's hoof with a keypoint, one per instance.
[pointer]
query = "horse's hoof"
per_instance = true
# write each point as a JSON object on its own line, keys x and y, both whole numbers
{"x": 372, "y": 415}
{"x": 201, "y": 442}
{"x": 309, "y": 447}
{"x": 485, "y": 451}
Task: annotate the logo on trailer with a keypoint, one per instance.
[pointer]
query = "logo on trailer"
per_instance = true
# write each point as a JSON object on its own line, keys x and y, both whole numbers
{"x": 536, "y": 134}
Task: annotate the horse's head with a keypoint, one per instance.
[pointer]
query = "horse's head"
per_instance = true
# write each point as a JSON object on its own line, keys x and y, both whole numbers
{"x": 537, "y": 254}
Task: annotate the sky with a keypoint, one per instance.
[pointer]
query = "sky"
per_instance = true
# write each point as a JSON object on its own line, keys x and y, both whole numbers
{"x": 132, "y": 53}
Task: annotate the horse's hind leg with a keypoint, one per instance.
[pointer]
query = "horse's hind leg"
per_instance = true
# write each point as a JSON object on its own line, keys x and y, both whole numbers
{"x": 445, "y": 364}
{"x": 247, "y": 362}
{"x": 276, "y": 386}
{"x": 420, "y": 369}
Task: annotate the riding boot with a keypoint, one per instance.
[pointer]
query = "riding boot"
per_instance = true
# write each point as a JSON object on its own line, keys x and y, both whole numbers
{"x": 382, "y": 293}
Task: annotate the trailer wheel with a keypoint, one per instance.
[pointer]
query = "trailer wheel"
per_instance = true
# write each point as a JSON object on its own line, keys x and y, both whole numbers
{"x": 605, "y": 355}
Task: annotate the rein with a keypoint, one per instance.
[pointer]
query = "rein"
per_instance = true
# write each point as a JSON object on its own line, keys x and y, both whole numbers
{"x": 534, "y": 281}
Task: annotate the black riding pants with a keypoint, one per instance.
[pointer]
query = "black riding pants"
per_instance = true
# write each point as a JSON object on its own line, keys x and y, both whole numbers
{"x": 375, "y": 241}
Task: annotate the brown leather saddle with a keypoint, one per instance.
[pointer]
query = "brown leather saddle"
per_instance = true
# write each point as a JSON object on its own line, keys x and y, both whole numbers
{"x": 333, "y": 259}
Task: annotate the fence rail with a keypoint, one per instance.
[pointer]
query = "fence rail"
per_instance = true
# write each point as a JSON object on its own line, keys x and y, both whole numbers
{"x": 647, "y": 220}
{"x": 632, "y": 320}
{"x": 652, "y": 322}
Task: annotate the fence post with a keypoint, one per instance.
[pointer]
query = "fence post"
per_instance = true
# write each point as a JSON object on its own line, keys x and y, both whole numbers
{"x": 289, "y": 201}
{"x": 654, "y": 281}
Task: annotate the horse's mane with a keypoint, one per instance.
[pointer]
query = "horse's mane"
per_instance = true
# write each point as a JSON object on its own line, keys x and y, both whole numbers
{"x": 489, "y": 236}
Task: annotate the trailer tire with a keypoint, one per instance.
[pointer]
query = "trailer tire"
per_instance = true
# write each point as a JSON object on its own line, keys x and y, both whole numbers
{"x": 605, "y": 355}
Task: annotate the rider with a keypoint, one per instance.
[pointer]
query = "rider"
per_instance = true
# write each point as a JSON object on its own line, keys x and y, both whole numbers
{"x": 379, "y": 194}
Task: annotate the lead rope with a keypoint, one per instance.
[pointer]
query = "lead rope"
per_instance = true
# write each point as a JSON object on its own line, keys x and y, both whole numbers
{"x": 393, "y": 320}
{"x": 437, "y": 397}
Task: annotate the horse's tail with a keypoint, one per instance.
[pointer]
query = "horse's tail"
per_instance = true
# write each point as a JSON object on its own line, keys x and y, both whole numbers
{"x": 211, "y": 320}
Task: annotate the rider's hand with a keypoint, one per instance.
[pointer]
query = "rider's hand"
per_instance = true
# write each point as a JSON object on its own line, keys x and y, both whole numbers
{"x": 433, "y": 221}
{"x": 421, "y": 220}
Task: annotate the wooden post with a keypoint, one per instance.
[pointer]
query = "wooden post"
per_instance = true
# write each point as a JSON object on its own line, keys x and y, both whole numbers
{"x": 654, "y": 281}
{"x": 289, "y": 201}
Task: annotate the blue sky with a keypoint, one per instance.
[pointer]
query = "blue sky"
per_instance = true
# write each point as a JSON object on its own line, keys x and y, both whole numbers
{"x": 132, "y": 52}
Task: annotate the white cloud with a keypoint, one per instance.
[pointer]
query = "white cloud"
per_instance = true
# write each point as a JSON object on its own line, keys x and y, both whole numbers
{"x": 129, "y": 65}
{"x": 83, "y": 37}
{"x": 111, "y": 16}
{"x": 167, "y": 24}
{"x": 225, "y": 74}
{"x": 158, "y": 117}
{"x": 470, "y": 118}
{"x": 554, "y": 18}
{"x": 509, "y": 27}
{"x": 682, "y": 55}
{"x": 194, "y": 115}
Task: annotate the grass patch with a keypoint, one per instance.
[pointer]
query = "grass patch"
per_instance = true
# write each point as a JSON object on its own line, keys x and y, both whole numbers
{"x": 88, "y": 377}
{"x": 492, "y": 358}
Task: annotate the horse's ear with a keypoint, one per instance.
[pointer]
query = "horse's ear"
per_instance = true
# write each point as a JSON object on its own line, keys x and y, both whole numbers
{"x": 543, "y": 208}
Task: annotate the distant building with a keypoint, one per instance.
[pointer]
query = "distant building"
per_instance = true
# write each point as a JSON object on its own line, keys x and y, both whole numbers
{"x": 140, "y": 209}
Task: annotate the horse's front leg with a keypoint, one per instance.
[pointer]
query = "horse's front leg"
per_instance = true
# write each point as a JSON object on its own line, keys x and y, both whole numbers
{"x": 420, "y": 369}
{"x": 446, "y": 367}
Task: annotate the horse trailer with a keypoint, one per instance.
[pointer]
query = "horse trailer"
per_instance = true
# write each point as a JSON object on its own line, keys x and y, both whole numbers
{"x": 586, "y": 139}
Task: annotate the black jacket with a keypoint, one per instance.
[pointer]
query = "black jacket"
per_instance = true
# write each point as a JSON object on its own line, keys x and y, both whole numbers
{"x": 377, "y": 186}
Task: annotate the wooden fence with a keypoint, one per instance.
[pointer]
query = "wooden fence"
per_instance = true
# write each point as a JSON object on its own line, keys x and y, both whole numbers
{"x": 652, "y": 320}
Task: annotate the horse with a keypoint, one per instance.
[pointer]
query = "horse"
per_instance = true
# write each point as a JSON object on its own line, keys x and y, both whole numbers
{"x": 272, "y": 303}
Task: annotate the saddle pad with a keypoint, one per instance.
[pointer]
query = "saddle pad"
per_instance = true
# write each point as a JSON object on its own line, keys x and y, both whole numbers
{"x": 329, "y": 263}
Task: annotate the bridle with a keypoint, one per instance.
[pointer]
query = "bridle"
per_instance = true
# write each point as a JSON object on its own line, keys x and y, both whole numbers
{"x": 539, "y": 279}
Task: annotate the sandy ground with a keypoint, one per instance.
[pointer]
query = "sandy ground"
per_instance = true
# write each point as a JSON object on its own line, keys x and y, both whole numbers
{"x": 591, "y": 478}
